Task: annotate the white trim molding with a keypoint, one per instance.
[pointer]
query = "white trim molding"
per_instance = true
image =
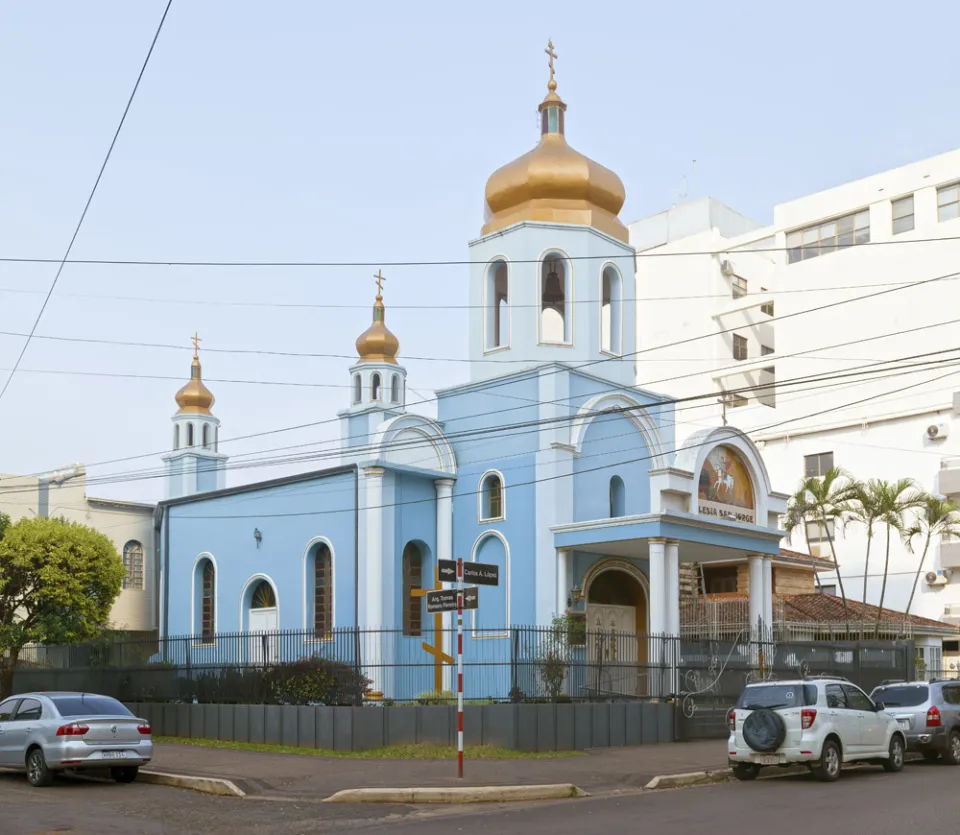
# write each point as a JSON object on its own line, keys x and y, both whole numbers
{"x": 206, "y": 555}
{"x": 431, "y": 431}
{"x": 504, "y": 584}
{"x": 619, "y": 403}
{"x": 243, "y": 593}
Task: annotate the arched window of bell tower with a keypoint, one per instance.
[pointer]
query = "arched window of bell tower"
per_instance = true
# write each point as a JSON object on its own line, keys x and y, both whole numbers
{"x": 375, "y": 386}
{"x": 611, "y": 311}
{"x": 205, "y": 435}
{"x": 357, "y": 388}
{"x": 556, "y": 319}
{"x": 176, "y": 436}
{"x": 496, "y": 311}
{"x": 189, "y": 434}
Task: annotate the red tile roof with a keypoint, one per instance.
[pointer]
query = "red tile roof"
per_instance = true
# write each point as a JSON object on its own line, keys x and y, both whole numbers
{"x": 828, "y": 608}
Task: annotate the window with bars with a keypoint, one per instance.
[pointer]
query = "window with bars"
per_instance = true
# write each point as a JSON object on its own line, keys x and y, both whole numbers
{"x": 412, "y": 582}
{"x": 828, "y": 236}
{"x": 766, "y": 350}
{"x": 903, "y": 215}
{"x": 208, "y": 602}
{"x": 739, "y": 347}
{"x": 133, "y": 565}
{"x": 818, "y": 465}
{"x": 948, "y": 202}
{"x": 767, "y": 309}
{"x": 322, "y": 592}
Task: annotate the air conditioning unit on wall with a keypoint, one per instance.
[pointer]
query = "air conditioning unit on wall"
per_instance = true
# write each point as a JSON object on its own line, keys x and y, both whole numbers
{"x": 937, "y": 431}
{"x": 936, "y": 578}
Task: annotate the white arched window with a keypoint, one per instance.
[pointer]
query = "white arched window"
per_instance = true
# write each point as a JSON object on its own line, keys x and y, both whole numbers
{"x": 556, "y": 315}
{"x": 611, "y": 311}
{"x": 176, "y": 436}
{"x": 617, "y": 498}
{"x": 491, "y": 497}
{"x": 189, "y": 434}
{"x": 395, "y": 389}
{"x": 375, "y": 386}
{"x": 216, "y": 438}
{"x": 205, "y": 435}
{"x": 133, "y": 565}
{"x": 357, "y": 388}
{"x": 496, "y": 312}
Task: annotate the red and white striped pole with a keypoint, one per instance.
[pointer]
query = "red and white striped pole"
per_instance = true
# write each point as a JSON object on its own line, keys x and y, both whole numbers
{"x": 460, "y": 669}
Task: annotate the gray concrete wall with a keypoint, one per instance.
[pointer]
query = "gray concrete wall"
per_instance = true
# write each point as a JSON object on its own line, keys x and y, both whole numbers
{"x": 538, "y": 728}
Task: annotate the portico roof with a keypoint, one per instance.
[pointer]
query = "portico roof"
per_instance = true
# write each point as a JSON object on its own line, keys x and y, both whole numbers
{"x": 701, "y": 538}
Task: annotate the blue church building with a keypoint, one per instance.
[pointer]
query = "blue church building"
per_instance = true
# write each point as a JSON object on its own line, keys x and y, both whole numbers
{"x": 548, "y": 462}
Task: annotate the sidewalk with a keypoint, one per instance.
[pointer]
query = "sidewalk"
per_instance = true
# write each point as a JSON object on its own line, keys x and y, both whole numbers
{"x": 298, "y": 776}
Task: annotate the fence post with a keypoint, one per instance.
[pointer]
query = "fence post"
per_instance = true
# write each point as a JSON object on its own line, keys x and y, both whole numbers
{"x": 186, "y": 642}
{"x": 514, "y": 651}
{"x": 358, "y": 697}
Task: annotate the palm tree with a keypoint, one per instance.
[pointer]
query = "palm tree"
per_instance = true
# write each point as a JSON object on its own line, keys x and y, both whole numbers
{"x": 894, "y": 500}
{"x": 864, "y": 510}
{"x": 824, "y": 500}
{"x": 937, "y": 517}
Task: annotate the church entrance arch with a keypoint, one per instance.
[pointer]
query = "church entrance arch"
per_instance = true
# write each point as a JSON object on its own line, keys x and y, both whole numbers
{"x": 263, "y": 622}
{"x": 617, "y": 612}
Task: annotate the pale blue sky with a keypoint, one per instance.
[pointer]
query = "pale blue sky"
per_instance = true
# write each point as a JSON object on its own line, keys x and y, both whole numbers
{"x": 296, "y": 130}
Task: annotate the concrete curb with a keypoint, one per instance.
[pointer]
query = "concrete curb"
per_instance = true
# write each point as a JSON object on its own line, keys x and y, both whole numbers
{"x": 464, "y": 794}
{"x": 690, "y": 778}
{"x": 205, "y": 785}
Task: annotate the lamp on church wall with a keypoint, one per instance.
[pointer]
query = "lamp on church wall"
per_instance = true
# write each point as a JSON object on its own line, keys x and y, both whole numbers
{"x": 576, "y": 595}
{"x": 257, "y": 536}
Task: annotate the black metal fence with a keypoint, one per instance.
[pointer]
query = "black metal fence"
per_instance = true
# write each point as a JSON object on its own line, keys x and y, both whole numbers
{"x": 566, "y": 663}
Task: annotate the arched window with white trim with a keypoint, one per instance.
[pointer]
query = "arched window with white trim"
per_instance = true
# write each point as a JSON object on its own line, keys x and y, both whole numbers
{"x": 491, "y": 498}
{"x": 617, "y": 497}
{"x": 611, "y": 311}
{"x": 176, "y": 436}
{"x": 322, "y": 581}
{"x": 411, "y": 582}
{"x": 556, "y": 315}
{"x": 357, "y": 388}
{"x": 189, "y": 434}
{"x": 496, "y": 311}
{"x": 206, "y": 603}
{"x": 133, "y": 565}
{"x": 205, "y": 435}
{"x": 375, "y": 386}
{"x": 395, "y": 389}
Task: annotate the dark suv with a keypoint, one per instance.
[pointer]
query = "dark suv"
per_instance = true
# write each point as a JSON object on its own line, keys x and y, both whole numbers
{"x": 928, "y": 712}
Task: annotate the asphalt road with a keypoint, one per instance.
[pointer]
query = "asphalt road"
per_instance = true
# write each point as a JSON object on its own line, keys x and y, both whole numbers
{"x": 919, "y": 799}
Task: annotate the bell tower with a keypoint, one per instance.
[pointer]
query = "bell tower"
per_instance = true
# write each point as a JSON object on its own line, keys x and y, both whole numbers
{"x": 195, "y": 464}
{"x": 553, "y": 273}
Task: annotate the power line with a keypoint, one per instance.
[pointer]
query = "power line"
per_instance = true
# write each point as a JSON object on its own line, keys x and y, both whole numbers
{"x": 103, "y": 167}
{"x": 742, "y": 250}
{"x": 516, "y": 428}
{"x": 317, "y": 306}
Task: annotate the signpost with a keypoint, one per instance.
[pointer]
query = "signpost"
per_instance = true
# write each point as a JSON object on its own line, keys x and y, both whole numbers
{"x": 460, "y": 598}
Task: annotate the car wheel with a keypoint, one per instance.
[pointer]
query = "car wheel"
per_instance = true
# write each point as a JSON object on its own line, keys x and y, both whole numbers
{"x": 894, "y": 762}
{"x": 952, "y": 754}
{"x": 746, "y": 771}
{"x": 124, "y": 773}
{"x": 38, "y": 775}
{"x": 828, "y": 767}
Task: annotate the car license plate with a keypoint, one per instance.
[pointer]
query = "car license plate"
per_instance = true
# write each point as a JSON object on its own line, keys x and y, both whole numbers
{"x": 769, "y": 760}
{"x": 114, "y": 755}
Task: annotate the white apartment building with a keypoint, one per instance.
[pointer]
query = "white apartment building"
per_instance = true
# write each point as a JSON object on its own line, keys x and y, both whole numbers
{"x": 870, "y": 384}
{"x": 128, "y": 524}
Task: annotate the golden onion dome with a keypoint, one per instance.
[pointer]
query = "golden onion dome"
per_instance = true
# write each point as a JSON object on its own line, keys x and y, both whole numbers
{"x": 195, "y": 397}
{"x": 553, "y": 183}
{"x": 377, "y": 343}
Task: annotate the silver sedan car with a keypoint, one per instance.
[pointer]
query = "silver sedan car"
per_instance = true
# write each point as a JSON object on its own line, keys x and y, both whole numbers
{"x": 42, "y": 733}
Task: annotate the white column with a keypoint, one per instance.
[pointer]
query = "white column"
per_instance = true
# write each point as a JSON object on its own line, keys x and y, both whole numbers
{"x": 658, "y": 596}
{"x": 768, "y": 592}
{"x": 564, "y": 562}
{"x": 373, "y": 482}
{"x": 444, "y": 487}
{"x": 672, "y": 586}
{"x": 755, "y": 562}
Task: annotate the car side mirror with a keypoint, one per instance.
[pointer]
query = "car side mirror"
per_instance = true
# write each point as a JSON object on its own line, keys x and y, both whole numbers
{"x": 879, "y": 706}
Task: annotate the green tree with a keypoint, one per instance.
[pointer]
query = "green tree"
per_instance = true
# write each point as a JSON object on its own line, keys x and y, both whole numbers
{"x": 822, "y": 501}
{"x": 937, "y": 516}
{"x": 864, "y": 509}
{"x": 58, "y": 580}
{"x": 893, "y": 501}
{"x": 4, "y": 524}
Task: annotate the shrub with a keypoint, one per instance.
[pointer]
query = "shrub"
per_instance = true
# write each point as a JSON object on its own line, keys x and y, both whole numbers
{"x": 312, "y": 681}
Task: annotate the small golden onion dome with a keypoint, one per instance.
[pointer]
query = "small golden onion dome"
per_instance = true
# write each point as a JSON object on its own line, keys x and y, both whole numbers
{"x": 553, "y": 183}
{"x": 195, "y": 397}
{"x": 377, "y": 343}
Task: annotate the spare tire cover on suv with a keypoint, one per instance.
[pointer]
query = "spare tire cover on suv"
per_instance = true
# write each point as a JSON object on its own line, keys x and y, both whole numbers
{"x": 764, "y": 730}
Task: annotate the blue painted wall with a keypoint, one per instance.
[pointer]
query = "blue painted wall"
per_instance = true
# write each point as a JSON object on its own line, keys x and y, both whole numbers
{"x": 288, "y": 516}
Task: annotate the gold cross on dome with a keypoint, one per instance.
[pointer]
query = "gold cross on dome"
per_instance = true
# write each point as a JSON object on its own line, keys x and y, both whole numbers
{"x": 380, "y": 279}
{"x": 196, "y": 344}
{"x": 552, "y": 54}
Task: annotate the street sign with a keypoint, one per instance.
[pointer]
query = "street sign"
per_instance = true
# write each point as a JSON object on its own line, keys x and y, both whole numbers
{"x": 447, "y": 569}
{"x": 481, "y": 573}
{"x": 441, "y": 601}
{"x": 446, "y": 600}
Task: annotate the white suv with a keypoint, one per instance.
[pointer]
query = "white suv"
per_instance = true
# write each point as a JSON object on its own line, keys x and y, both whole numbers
{"x": 817, "y": 722}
